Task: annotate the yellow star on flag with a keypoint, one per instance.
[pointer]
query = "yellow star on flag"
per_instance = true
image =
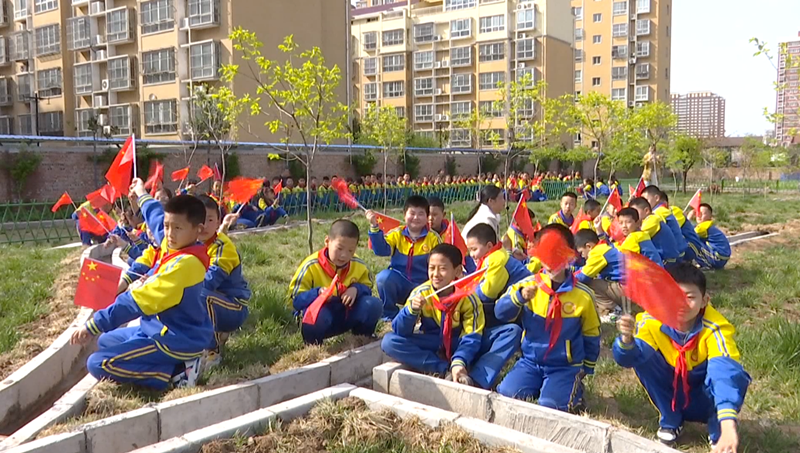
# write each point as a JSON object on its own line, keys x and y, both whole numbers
{"x": 92, "y": 266}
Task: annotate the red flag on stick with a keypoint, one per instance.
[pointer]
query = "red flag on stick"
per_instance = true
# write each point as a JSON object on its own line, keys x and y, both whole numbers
{"x": 615, "y": 200}
{"x": 97, "y": 198}
{"x": 345, "y": 196}
{"x": 615, "y": 232}
{"x": 63, "y": 201}
{"x": 553, "y": 251}
{"x": 120, "y": 173}
{"x": 204, "y": 173}
{"x": 110, "y": 193}
{"x": 696, "y": 201}
{"x": 180, "y": 175}
{"x": 639, "y": 188}
{"x": 98, "y": 224}
{"x": 97, "y": 284}
{"x": 453, "y": 236}
{"x": 277, "y": 189}
{"x": 463, "y": 288}
{"x": 386, "y": 224}
{"x": 155, "y": 178}
{"x": 312, "y": 312}
{"x": 241, "y": 189}
{"x": 217, "y": 173}
{"x": 580, "y": 218}
{"x": 651, "y": 287}
{"x": 522, "y": 218}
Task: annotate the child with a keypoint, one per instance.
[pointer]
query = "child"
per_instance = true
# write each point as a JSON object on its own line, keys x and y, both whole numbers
{"x": 502, "y": 270}
{"x": 436, "y": 218}
{"x": 593, "y": 209}
{"x": 657, "y": 229}
{"x": 564, "y": 217}
{"x": 589, "y": 191}
{"x": 602, "y": 272}
{"x": 88, "y": 238}
{"x": 701, "y": 357}
{"x": 659, "y": 203}
{"x": 514, "y": 241}
{"x": 553, "y": 362}
{"x": 490, "y": 204}
{"x": 409, "y": 248}
{"x": 693, "y": 241}
{"x": 351, "y": 307}
{"x": 717, "y": 250}
{"x": 601, "y": 189}
{"x": 175, "y": 328}
{"x": 226, "y": 292}
{"x": 636, "y": 240}
{"x": 474, "y": 356}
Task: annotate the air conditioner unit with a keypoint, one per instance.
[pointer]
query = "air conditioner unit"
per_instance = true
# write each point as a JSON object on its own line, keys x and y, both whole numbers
{"x": 100, "y": 55}
{"x": 104, "y": 85}
{"x": 437, "y": 65}
{"x": 632, "y": 60}
{"x": 99, "y": 101}
{"x": 102, "y": 119}
{"x": 445, "y": 117}
{"x": 633, "y": 16}
{"x": 438, "y": 91}
{"x": 185, "y": 23}
{"x": 97, "y": 8}
{"x": 439, "y": 117}
{"x": 521, "y": 65}
{"x": 445, "y": 63}
{"x": 632, "y": 104}
{"x": 99, "y": 39}
{"x": 437, "y": 38}
{"x": 523, "y": 35}
{"x": 106, "y": 130}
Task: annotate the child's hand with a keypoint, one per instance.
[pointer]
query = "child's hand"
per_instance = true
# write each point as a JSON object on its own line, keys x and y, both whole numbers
{"x": 137, "y": 187}
{"x": 729, "y": 439}
{"x": 190, "y": 189}
{"x": 81, "y": 335}
{"x": 349, "y": 296}
{"x": 113, "y": 241}
{"x": 458, "y": 372}
{"x": 690, "y": 215}
{"x": 418, "y": 303}
{"x": 528, "y": 292}
{"x": 372, "y": 218}
{"x": 228, "y": 222}
{"x": 625, "y": 325}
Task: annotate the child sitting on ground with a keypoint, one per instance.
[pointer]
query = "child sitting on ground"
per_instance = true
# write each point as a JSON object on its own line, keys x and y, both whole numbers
{"x": 564, "y": 217}
{"x": 351, "y": 307}
{"x": 593, "y": 209}
{"x": 636, "y": 240}
{"x": 657, "y": 229}
{"x": 717, "y": 250}
{"x": 602, "y": 272}
{"x": 659, "y": 203}
{"x": 514, "y": 240}
{"x": 436, "y": 218}
{"x": 701, "y": 357}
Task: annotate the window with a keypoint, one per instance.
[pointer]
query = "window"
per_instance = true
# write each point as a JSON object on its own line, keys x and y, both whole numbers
{"x": 118, "y": 25}
{"x": 642, "y": 93}
{"x": 423, "y": 113}
{"x": 460, "y": 28}
{"x": 643, "y": 48}
{"x": 49, "y": 82}
{"x": 5, "y": 91}
{"x": 51, "y": 123}
{"x": 666, "y": 73}
{"x": 401, "y": 112}
{"x": 24, "y": 87}
{"x": 642, "y": 6}
{"x": 5, "y": 125}
{"x": 619, "y": 52}
{"x": 526, "y": 74}
{"x": 48, "y": 40}
{"x": 83, "y": 78}
{"x": 619, "y": 30}
{"x": 119, "y": 73}
{"x": 370, "y": 40}
{"x": 423, "y": 60}
{"x": 597, "y": 17}
{"x": 525, "y": 109}
{"x": 642, "y": 71}
{"x": 26, "y": 124}
{"x": 578, "y": 34}
{"x": 423, "y": 87}
{"x": 460, "y": 109}
{"x": 423, "y": 32}
{"x": 204, "y": 60}
{"x": 578, "y": 54}
{"x": 41, "y": 6}
{"x": 161, "y": 117}
{"x": 526, "y": 19}
{"x": 619, "y": 73}
{"x": 158, "y": 66}
{"x": 620, "y": 8}
{"x": 371, "y": 91}
{"x": 83, "y": 118}
{"x": 120, "y": 119}
{"x": 394, "y": 37}
{"x": 596, "y": 60}
{"x": 203, "y": 12}
{"x": 618, "y": 94}
{"x": 526, "y": 49}
{"x": 577, "y": 12}
{"x": 18, "y": 46}
{"x": 595, "y": 81}
{"x": 488, "y": 108}
{"x": 393, "y": 89}
{"x": 157, "y": 16}
{"x": 492, "y": 52}
{"x": 461, "y": 137}
{"x": 597, "y": 39}
{"x": 492, "y": 23}
{"x": 452, "y": 5}
{"x": 461, "y": 83}
{"x": 371, "y": 66}
{"x": 394, "y": 63}
{"x": 642, "y": 27}
{"x": 492, "y": 137}
{"x": 578, "y": 76}
{"x": 78, "y": 33}
{"x": 460, "y": 56}
{"x": 489, "y": 80}
{"x": 4, "y": 57}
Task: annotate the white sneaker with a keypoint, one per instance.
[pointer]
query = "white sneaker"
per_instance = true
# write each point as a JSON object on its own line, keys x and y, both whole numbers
{"x": 188, "y": 377}
{"x": 668, "y": 436}
{"x": 612, "y": 317}
{"x": 211, "y": 359}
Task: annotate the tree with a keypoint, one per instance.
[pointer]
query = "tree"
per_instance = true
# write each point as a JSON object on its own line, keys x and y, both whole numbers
{"x": 790, "y": 63}
{"x": 386, "y": 129}
{"x": 22, "y": 166}
{"x": 753, "y": 156}
{"x": 657, "y": 121}
{"x": 683, "y": 155}
{"x": 297, "y": 97}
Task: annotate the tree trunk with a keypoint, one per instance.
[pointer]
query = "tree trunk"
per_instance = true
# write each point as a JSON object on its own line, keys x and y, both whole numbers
{"x": 385, "y": 167}
{"x": 505, "y": 187}
{"x": 596, "y": 163}
{"x": 310, "y": 236}
{"x": 685, "y": 174}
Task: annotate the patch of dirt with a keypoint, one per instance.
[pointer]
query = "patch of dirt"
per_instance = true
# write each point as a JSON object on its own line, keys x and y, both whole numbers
{"x": 790, "y": 226}
{"x": 36, "y": 336}
{"x": 314, "y": 353}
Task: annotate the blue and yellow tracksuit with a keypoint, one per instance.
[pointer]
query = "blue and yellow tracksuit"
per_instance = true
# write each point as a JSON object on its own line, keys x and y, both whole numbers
{"x": 716, "y": 380}
{"x": 662, "y": 238}
{"x": 639, "y": 242}
{"x": 605, "y": 225}
{"x": 602, "y": 189}
{"x": 693, "y": 242}
{"x": 517, "y": 239}
{"x": 174, "y": 326}
{"x": 604, "y": 262}
{"x": 153, "y": 214}
{"x": 502, "y": 272}
{"x": 483, "y": 353}
{"x": 534, "y": 265}
{"x": 553, "y": 375}
{"x": 134, "y": 247}
{"x": 561, "y": 219}
{"x": 664, "y": 211}
{"x": 587, "y": 224}
{"x": 86, "y": 237}
{"x": 408, "y": 266}
{"x": 717, "y": 250}
{"x": 226, "y": 290}
{"x": 314, "y": 275}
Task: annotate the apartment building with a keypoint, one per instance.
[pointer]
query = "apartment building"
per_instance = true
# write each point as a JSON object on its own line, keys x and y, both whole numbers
{"x": 622, "y": 49}
{"x": 787, "y": 104}
{"x": 699, "y": 114}
{"x": 70, "y": 67}
{"x": 436, "y": 61}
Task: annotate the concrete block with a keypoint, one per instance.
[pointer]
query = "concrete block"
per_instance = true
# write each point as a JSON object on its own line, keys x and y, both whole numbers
{"x": 353, "y": 366}
{"x": 184, "y": 415}
{"x": 461, "y": 399}
{"x": 382, "y": 374}
{"x": 626, "y": 442}
{"x": 293, "y": 383}
{"x": 245, "y": 425}
{"x": 497, "y": 436}
{"x": 174, "y": 445}
{"x": 74, "y": 442}
{"x": 429, "y": 415}
{"x": 299, "y": 407}
{"x": 122, "y": 433}
{"x": 579, "y": 433}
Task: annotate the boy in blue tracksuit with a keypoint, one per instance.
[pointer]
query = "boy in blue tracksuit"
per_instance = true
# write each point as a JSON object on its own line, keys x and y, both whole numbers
{"x": 175, "y": 328}
{"x": 659, "y": 204}
{"x": 693, "y": 241}
{"x": 636, "y": 240}
{"x": 87, "y": 238}
{"x": 603, "y": 273}
{"x": 351, "y": 307}
{"x": 562, "y": 336}
{"x": 409, "y": 248}
{"x": 471, "y": 356}
{"x": 658, "y": 230}
{"x": 717, "y": 249}
{"x": 691, "y": 374}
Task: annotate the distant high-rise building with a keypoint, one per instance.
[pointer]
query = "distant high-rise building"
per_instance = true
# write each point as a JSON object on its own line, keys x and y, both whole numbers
{"x": 700, "y": 114}
{"x": 787, "y": 105}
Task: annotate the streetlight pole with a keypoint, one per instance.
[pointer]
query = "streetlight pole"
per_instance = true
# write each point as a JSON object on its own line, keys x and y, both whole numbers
{"x": 35, "y": 98}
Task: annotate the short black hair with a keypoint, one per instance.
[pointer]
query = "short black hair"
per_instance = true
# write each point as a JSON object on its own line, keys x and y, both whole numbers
{"x": 484, "y": 233}
{"x": 707, "y": 206}
{"x": 417, "y": 201}
{"x": 664, "y": 197}
{"x": 570, "y": 194}
{"x": 449, "y": 251}
{"x": 652, "y": 191}
{"x": 562, "y": 230}
{"x": 189, "y": 206}
{"x": 640, "y": 203}
{"x": 344, "y": 228}
{"x": 685, "y": 273}
{"x": 166, "y": 191}
{"x": 435, "y": 202}
{"x": 591, "y": 205}
{"x": 629, "y": 212}
{"x": 325, "y": 178}
{"x": 210, "y": 204}
{"x": 585, "y": 236}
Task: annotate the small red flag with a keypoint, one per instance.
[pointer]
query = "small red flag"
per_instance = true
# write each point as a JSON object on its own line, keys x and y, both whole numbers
{"x": 651, "y": 287}
{"x": 241, "y": 189}
{"x": 155, "y": 178}
{"x": 63, "y": 201}
{"x": 614, "y": 200}
{"x": 522, "y": 218}
{"x": 312, "y": 312}
{"x": 97, "y": 284}
{"x": 120, "y": 173}
{"x": 217, "y": 173}
{"x": 639, "y": 188}
{"x": 452, "y": 236}
{"x": 615, "y": 232}
{"x": 97, "y": 198}
{"x": 110, "y": 193}
{"x": 180, "y": 175}
{"x": 277, "y": 189}
{"x": 205, "y": 172}
{"x": 696, "y": 201}
{"x": 553, "y": 251}
{"x": 386, "y": 223}
{"x": 463, "y": 288}
{"x": 345, "y": 196}
{"x": 580, "y": 218}
{"x": 631, "y": 191}
{"x": 98, "y": 224}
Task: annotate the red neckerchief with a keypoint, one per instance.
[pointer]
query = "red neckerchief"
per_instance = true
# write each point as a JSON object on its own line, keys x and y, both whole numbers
{"x": 602, "y": 242}
{"x": 199, "y": 251}
{"x": 553, "y": 321}
{"x": 331, "y": 270}
{"x": 682, "y": 371}
{"x": 564, "y": 218}
{"x": 211, "y": 240}
{"x": 409, "y": 263}
{"x": 447, "y": 310}
{"x": 496, "y": 247}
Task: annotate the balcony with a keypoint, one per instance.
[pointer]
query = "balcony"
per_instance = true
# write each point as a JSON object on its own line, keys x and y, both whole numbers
{"x": 643, "y": 49}
{"x": 120, "y": 73}
{"x": 642, "y": 27}
{"x": 4, "y": 60}
{"x": 21, "y": 9}
{"x": 19, "y": 46}
{"x": 619, "y": 52}
{"x": 204, "y": 61}
{"x": 79, "y": 35}
{"x": 119, "y": 26}
{"x": 5, "y": 92}
{"x": 202, "y": 14}
{"x": 643, "y": 72}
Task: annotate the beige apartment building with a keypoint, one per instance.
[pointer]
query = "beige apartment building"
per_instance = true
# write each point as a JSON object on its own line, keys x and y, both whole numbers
{"x": 700, "y": 114}
{"x": 131, "y": 66}
{"x": 436, "y": 61}
{"x": 622, "y": 49}
{"x": 787, "y": 102}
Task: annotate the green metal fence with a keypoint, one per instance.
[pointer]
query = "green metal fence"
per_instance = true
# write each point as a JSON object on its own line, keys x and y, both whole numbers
{"x": 23, "y": 223}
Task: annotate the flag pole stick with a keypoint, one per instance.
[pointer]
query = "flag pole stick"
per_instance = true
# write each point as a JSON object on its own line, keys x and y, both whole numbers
{"x": 133, "y": 145}
{"x": 98, "y": 220}
{"x": 455, "y": 282}
{"x": 690, "y": 200}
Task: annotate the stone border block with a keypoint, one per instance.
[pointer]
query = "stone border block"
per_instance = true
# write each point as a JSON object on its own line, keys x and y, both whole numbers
{"x": 298, "y": 407}
{"x": 122, "y": 433}
{"x": 74, "y": 442}
{"x": 382, "y": 375}
{"x": 497, "y": 436}
{"x": 353, "y": 365}
{"x": 464, "y": 400}
{"x": 292, "y": 383}
{"x": 246, "y": 425}
{"x": 428, "y": 415}
{"x": 174, "y": 445}
{"x": 626, "y": 442}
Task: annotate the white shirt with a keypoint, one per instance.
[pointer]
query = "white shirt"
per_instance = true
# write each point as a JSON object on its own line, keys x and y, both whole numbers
{"x": 484, "y": 215}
